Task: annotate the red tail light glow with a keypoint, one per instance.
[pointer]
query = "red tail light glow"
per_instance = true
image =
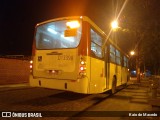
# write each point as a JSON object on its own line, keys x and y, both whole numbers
{"x": 82, "y": 71}
{"x": 31, "y": 66}
{"x": 82, "y": 62}
{"x": 81, "y": 68}
{"x": 31, "y": 62}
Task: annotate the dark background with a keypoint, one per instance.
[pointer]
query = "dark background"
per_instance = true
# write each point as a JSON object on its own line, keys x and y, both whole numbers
{"x": 19, "y": 17}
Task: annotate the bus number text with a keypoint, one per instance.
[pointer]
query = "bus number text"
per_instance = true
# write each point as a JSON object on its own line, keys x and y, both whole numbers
{"x": 65, "y": 57}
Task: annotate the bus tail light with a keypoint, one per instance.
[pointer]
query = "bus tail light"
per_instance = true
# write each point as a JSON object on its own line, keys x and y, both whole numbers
{"x": 82, "y": 74}
{"x": 31, "y": 66}
{"x": 82, "y": 68}
{"x": 82, "y": 71}
{"x": 82, "y": 62}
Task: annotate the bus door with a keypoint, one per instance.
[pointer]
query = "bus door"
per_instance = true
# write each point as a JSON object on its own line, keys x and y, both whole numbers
{"x": 97, "y": 63}
{"x": 97, "y": 72}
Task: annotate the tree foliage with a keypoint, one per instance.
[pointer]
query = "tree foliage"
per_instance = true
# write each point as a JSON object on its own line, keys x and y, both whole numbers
{"x": 141, "y": 18}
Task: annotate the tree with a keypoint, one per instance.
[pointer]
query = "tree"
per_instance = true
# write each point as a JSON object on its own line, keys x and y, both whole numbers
{"x": 141, "y": 21}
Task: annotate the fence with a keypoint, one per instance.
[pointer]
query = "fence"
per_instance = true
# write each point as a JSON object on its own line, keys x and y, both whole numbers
{"x": 13, "y": 71}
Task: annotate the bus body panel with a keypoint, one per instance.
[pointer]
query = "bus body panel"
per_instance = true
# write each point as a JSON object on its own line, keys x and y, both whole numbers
{"x": 119, "y": 74}
{"x": 124, "y": 75}
{"x": 98, "y": 80}
{"x": 58, "y": 64}
{"x": 79, "y": 85}
{"x": 112, "y": 72}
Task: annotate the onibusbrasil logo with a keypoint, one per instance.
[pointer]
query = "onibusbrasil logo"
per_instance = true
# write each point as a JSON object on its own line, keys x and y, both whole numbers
{"x": 21, "y": 114}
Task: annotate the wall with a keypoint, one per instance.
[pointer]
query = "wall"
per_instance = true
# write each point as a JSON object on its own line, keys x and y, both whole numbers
{"x": 13, "y": 71}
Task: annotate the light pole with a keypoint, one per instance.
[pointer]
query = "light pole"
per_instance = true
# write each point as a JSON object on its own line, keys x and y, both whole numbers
{"x": 115, "y": 26}
{"x": 131, "y": 59}
{"x": 137, "y": 65}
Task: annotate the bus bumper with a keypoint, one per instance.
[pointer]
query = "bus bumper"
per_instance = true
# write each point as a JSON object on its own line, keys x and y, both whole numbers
{"x": 78, "y": 86}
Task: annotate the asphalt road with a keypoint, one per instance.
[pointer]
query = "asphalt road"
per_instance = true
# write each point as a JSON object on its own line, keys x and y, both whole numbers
{"x": 62, "y": 105}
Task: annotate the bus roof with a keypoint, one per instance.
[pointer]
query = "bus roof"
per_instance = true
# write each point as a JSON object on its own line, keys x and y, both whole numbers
{"x": 85, "y": 18}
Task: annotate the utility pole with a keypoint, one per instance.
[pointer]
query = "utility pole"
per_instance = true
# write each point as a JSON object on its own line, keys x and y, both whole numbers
{"x": 138, "y": 68}
{"x": 138, "y": 58}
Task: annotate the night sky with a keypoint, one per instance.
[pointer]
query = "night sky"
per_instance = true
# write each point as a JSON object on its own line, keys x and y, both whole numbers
{"x": 19, "y": 17}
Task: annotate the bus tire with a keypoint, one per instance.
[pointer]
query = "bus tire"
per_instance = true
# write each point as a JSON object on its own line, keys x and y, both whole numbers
{"x": 114, "y": 84}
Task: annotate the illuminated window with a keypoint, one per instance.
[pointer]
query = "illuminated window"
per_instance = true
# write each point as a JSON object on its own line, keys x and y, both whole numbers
{"x": 96, "y": 44}
{"x": 112, "y": 54}
{"x": 52, "y": 36}
{"x": 118, "y": 57}
{"x": 125, "y": 61}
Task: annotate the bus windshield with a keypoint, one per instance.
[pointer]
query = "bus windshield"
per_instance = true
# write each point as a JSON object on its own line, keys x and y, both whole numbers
{"x": 58, "y": 35}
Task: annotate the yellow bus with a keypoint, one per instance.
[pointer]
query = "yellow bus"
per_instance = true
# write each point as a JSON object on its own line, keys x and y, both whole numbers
{"x": 69, "y": 54}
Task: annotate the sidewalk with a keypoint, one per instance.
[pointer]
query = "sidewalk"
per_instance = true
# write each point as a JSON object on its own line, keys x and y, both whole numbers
{"x": 145, "y": 85}
{"x": 14, "y": 86}
{"x": 138, "y": 94}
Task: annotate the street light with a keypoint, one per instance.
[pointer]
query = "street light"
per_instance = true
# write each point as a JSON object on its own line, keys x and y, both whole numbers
{"x": 132, "y": 53}
{"x": 114, "y": 24}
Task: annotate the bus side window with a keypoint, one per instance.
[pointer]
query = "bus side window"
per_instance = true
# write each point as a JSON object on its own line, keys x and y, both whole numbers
{"x": 112, "y": 54}
{"x": 96, "y": 43}
{"x": 93, "y": 50}
{"x": 92, "y": 53}
{"x": 125, "y": 61}
{"x": 118, "y": 57}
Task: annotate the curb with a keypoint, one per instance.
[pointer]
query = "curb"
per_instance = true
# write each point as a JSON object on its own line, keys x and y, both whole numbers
{"x": 15, "y": 85}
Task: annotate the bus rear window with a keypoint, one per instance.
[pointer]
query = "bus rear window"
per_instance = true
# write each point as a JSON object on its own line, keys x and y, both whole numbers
{"x": 57, "y": 35}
